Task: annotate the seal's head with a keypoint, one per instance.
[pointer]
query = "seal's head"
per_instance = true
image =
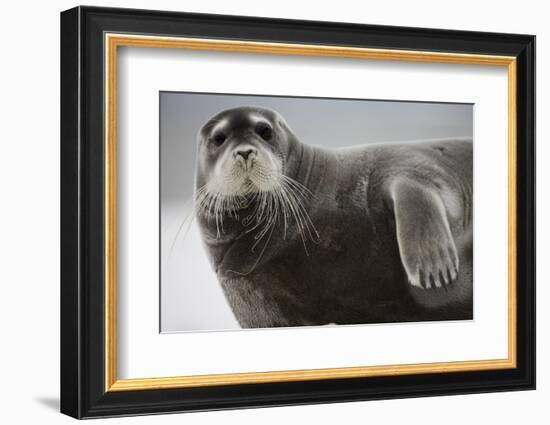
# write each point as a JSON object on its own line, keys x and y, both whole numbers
{"x": 247, "y": 160}
{"x": 242, "y": 151}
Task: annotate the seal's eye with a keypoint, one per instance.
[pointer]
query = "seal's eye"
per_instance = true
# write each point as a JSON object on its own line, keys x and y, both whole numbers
{"x": 219, "y": 138}
{"x": 264, "y": 131}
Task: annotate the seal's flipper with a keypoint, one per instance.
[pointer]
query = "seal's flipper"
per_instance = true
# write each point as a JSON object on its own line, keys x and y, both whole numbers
{"x": 426, "y": 244}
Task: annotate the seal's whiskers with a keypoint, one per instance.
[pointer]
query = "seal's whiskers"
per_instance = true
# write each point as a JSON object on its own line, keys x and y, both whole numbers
{"x": 284, "y": 201}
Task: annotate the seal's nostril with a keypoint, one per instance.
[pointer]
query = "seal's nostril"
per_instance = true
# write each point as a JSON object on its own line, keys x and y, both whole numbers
{"x": 244, "y": 153}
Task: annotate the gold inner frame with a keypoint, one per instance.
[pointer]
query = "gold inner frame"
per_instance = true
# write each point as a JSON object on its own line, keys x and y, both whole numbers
{"x": 113, "y": 41}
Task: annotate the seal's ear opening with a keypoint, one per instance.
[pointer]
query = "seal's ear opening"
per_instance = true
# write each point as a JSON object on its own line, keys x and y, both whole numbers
{"x": 282, "y": 123}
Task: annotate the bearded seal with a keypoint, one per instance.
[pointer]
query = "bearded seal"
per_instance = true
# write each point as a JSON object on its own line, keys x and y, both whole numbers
{"x": 301, "y": 235}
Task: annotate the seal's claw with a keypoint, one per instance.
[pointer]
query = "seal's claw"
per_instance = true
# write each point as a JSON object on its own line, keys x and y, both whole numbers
{"x": 445, "y": 273}
{"x": 437, "y": 281}
{"x": 414, "y": 280}
{"x": 444, "y": 276}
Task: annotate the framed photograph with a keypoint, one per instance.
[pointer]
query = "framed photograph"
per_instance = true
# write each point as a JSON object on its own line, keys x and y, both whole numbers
{"x": 261, "y": 212}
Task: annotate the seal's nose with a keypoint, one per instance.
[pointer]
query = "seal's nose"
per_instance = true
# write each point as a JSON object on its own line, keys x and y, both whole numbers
{"x": 245, "y": 153}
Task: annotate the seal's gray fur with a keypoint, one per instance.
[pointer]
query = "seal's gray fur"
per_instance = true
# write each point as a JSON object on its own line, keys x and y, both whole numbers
{"x": 394, "y": 226}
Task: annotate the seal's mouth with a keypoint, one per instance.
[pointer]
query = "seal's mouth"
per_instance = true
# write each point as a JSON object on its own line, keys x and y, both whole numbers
{"x": 261, "y": 202}
{"x": 243, "y": 176}
{"x": 246, "y": 165}
{"x": 283, "y": 201}
{"x": 249, "y": 187}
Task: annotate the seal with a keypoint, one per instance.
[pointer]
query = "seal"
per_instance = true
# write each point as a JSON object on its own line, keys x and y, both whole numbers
{"x": 301, "y": 235}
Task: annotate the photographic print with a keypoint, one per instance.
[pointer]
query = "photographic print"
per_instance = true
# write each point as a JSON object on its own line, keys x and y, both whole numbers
{"x": 258, "y": 184}
{"x": 293, "y": 211}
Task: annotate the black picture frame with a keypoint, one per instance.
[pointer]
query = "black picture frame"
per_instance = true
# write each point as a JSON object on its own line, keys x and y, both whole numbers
{"x": 83, "y": 392}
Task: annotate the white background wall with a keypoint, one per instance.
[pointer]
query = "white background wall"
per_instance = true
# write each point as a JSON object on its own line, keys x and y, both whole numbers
{"x": 29, "y": 225}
